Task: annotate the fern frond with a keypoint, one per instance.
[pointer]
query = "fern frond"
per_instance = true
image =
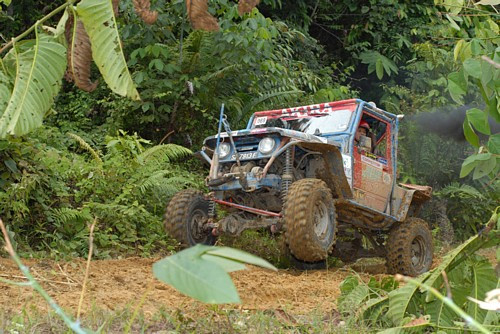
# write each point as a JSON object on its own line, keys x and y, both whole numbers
{"x": 160, "y": 184}
{"x": 85, "y": 146}
{"x": 222, "y": 72}
{"x": 461, "y": 190}
{"x": 65, "y": 216}
{"x": 164, "y": 153}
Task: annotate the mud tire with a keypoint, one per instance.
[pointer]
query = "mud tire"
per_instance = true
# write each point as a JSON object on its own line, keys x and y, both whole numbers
{"x": 410, "y": 248}
{"x": 183, "y": 212}
{"x": 310, "y": 220}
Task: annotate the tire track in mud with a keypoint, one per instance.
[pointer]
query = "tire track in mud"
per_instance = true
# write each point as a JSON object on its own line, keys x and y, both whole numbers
{"x": 118, "y": 284}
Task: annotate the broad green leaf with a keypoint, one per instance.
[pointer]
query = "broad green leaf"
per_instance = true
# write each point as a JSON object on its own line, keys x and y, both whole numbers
{"x": 61, "y": 25}
{"x": 488, "y": 2}
{"x": 193, "y": 276}
{"x": 418, "y": 328}
{"x": 458, "y": 49}
{"x": 482, "y": 274}
{"x": 494, "y": 144}
{"x": 473, "y": 67}
{"x": 485, "y": 167}
{"x": 457, "y": 256}
{"x": 402, "y": 301}
{"x": 441, "y": 314}
{"x": 472, "y": 161}
{"x": 470, "y": 135}
{"x": 467, "y": 167}
{"x": 240, "y": 256}
{"x": 11, "y": 164}
{"x": 493, "y": 107}
{"x": 227, "y": 265}
{"x": 373, "y": 309}
{"x": 351, "y": 302}
{"x": 40, "y": 69}
{"x": 5, "y": 89}
{"x": 379, "y": 68}
{"x": 100, "y": 24}
{"x": 453, "y": 24}
{"x": 457, "y": 85}
{"x": 487, "y": 82}
{"x": 479, "y": 120}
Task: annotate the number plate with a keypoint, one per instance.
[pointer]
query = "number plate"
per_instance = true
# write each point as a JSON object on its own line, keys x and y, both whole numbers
{"x": 245, "y": 156}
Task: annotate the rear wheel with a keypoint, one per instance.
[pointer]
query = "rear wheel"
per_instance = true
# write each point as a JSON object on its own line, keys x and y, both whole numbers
{"x": 309, "y": 218}
{"x": 185, "y": 217}
{"x": 409, "y": 248}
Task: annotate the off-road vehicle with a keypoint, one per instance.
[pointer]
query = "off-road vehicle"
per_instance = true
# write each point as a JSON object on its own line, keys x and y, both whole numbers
{"x": 306, "y": 171}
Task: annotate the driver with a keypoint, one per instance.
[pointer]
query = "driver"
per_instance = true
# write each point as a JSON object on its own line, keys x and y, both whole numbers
{"x": 362, "y": 130}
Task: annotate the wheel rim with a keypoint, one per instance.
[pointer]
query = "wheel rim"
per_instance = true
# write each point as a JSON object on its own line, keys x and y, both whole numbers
{"x": 321, "y": 220}
{"x": 418, "y": 253}
{"x": 198, "y": 218}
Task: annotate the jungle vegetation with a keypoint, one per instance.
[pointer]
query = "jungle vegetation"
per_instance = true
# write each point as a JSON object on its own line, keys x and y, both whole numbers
{"x": 113, "y": 139}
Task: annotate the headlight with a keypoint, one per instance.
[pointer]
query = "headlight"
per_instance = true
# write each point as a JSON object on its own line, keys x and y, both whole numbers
{"x": 267, "y": 145}
{"x": 224, "y": 149}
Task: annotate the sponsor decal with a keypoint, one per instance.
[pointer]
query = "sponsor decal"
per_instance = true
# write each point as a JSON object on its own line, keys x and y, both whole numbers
{"x": 346, "y": 159}
{"x": 371, "y": 162}
{"x": 382, "y": 161}
{"x": 262, "y": 130}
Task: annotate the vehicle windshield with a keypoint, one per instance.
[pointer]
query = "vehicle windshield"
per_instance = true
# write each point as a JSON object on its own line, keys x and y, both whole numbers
{"x": 326, "y": 122}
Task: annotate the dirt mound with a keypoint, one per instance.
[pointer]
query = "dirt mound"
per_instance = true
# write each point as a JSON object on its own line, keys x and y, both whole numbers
{"x": 116, "y": 284}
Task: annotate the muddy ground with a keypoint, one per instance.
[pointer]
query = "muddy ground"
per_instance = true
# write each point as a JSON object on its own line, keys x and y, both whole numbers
{"x": 117, "y": 284}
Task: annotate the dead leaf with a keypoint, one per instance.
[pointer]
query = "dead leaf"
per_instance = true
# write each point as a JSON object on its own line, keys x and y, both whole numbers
{"x": 115, "y": 7}
{"x": 333, "y": 317}
{"x": 417, "y": 322}
{"x": 284, "y": 317}
{"x": 143, "y": 9}
{"x": 246, "y": 6}
{"x": 79, "y": 56}
{"x": 199, "y": 16}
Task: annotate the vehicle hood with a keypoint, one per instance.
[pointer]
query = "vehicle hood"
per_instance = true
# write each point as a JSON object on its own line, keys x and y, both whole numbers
{"x": 262, "y": 132}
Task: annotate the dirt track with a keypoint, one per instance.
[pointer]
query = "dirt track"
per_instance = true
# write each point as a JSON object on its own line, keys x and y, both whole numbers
{"x": 116, "y": 284}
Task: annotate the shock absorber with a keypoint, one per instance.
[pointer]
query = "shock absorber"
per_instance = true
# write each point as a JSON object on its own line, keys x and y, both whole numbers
{"x": 287, "y": 177}
{"x": 211, "y": 209}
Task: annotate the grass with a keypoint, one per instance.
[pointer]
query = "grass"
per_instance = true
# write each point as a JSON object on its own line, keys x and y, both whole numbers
{"x": 215, "y": 320}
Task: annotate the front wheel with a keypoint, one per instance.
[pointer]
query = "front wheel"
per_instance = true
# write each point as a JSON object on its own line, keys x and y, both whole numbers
{"x": 409, "y": 248}
{"x": 310, "y": 220}
{"x": 185, "y": 217}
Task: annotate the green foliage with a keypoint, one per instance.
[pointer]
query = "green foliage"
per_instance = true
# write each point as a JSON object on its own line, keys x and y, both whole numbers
{"x": 35, "y": 69}
{"x": 478, "y": 57}
{"x": 467, "y": 274}
{"x": 201, "y": 272}
{"x": 378, "y": 63}
{"x": 100, "y": 24}
{"x": 30, "y": 74}
{"x": 466, "y": 206}
{"x": 50, "y": 193}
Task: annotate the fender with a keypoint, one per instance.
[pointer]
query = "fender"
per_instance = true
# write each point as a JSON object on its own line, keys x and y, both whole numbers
{"x": 333, "y": 171}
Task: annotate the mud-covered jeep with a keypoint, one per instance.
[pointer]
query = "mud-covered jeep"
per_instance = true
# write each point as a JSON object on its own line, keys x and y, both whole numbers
{"x": 310, "y": 172}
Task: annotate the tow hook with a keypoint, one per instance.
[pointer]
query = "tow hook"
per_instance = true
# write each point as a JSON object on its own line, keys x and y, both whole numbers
{"x": 274, "y": 229}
